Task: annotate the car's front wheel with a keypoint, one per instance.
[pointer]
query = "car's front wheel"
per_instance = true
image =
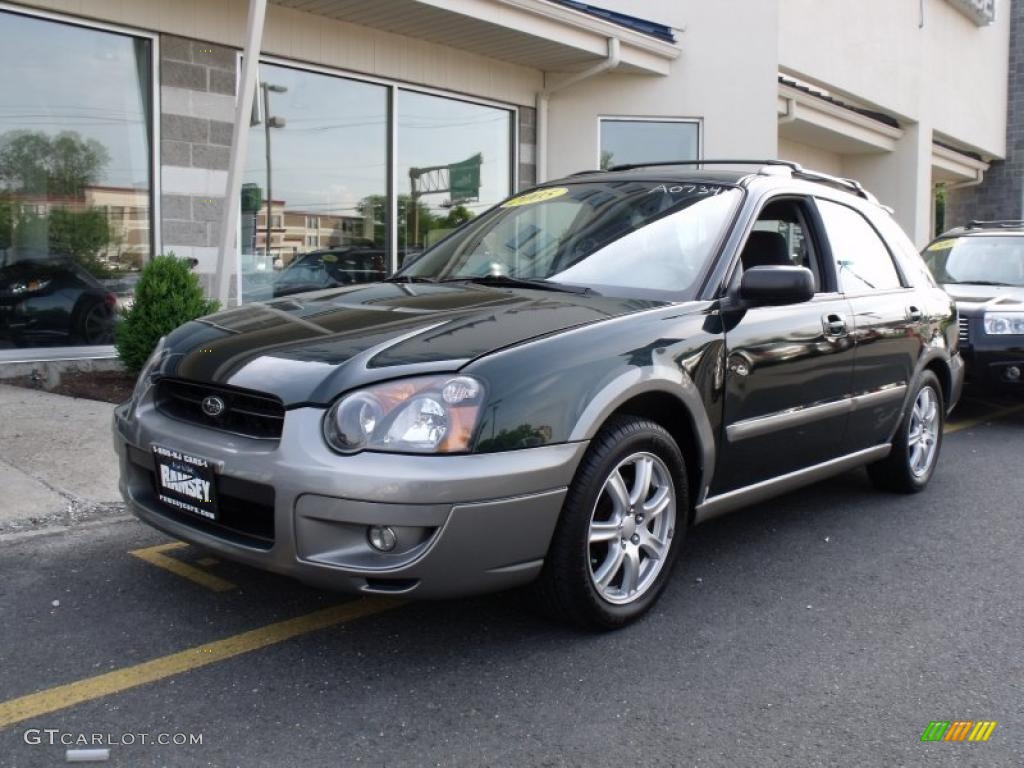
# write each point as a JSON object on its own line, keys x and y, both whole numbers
{"x": 916, "y": 445}
{"x": 621, "y": 527}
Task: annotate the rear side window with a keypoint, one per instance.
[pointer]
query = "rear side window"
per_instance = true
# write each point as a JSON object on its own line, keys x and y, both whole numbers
{"x": 863, "y": 262}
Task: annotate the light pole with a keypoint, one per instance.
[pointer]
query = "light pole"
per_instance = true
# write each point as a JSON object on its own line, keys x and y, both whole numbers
{"x": 268, "y": 123}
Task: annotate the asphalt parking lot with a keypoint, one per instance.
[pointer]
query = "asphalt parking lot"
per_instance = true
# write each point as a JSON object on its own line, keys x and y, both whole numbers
{"x": 827, "y": 627}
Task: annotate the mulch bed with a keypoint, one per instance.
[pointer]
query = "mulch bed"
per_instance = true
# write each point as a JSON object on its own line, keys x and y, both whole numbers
{"x": 108, "y": 386}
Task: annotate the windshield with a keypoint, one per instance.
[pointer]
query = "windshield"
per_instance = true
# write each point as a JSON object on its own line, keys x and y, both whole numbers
{"x": 986, "y": 260}
{"x": 639, "y": 235}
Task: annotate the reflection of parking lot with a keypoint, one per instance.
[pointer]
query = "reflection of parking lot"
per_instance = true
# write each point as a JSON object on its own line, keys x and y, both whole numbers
{"x": 826, "y": 627}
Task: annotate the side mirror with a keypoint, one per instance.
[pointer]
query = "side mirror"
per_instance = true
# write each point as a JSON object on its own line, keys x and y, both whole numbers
{"x": 774, "y": 286}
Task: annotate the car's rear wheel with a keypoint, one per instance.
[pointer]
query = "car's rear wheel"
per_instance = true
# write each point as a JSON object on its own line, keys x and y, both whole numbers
{"x": 918, "y": 440}
{"x": 95, "y": 323}
{"x": 621, "y": 527}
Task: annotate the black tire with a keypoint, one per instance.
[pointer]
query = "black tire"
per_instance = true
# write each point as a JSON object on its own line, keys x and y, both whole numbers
{"x": 897, "y": 472}
{"x": 94, "y": 323}
{"x": 566, "y": 589}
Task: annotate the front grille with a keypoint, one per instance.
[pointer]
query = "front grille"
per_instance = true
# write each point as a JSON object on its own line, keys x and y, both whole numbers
{"x": 245, "y": 412}
{"x": 965, "y": 330}
{"x": 245, "y": 510}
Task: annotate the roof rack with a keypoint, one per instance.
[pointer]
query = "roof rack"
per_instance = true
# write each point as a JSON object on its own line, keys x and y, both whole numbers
{"x": 796, "y": 170}
{"x": 995, "y": 224}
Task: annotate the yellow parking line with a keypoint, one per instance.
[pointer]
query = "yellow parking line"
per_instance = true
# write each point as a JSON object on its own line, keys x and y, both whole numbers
{"x": 155, "y": 556}
{"x": 951, "y": 428}
{"x": 53, "y": 699}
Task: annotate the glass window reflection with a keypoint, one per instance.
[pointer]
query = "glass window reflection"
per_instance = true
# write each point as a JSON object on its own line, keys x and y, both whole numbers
{"x": 74, "y": 179}
{"x": 315, "y": 216}
{"x": 453, "y": 163}
{"x": 647, "y": 141}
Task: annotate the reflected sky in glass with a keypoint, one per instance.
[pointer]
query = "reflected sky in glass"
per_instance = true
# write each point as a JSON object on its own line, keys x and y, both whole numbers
{"x": 646, "y": 141}
{"x": 58, "y": 77}
{"x": 332, "y": 151}
{"x": 433, "y": 130}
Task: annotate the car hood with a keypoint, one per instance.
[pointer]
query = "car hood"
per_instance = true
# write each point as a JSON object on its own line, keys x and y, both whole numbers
{"x": 311, "y": 347}
{"x": 974, "y": 299}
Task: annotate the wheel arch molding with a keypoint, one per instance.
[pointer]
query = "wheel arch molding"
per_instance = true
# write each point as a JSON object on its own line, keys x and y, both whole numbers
{"x": 667, "y": 396}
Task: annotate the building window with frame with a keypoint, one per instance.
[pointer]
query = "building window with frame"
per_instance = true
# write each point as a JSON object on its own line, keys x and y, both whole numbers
{"x": 647, "y": 140}
{"x": 454, "y": 160}
{"x": 326, "y": 183}
{"x": 75, "y": 179}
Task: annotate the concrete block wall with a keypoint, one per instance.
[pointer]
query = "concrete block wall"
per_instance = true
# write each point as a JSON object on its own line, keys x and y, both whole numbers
{"x": 197, "y": 108}
{"x": 1001, "y": 194}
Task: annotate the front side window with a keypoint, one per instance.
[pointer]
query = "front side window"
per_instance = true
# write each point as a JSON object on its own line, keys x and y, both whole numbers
{"x": 982, "y": 260}
{"x": 75, "y": 160}
{"x": 647, "y": 141}
{"x": 632, "y": 236}
{"x": 863, "y": 262}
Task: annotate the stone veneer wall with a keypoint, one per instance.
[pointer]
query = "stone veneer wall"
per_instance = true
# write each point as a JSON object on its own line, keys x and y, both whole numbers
{"x": 197, "y": 111}
{"x": 1001, "y": 194}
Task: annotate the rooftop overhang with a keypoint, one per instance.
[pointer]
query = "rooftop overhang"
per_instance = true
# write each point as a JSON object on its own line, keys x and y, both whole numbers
{"x": 532, "y": 33}
{"x": 952, "y": 167}
{"x": 808, "y": 119}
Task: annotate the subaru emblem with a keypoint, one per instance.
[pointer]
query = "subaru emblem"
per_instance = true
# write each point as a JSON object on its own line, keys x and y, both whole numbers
{"x": 213, "y": 406}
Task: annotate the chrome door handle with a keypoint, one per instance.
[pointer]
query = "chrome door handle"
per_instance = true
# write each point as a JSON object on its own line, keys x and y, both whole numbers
{"x": 834, "y": 325}
{"x": 913, "y": 313}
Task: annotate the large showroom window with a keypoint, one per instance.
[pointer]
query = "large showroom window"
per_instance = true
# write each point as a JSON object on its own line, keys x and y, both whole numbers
{"x": 647, "y": 140}
{"x": 327, "y": 202}
{"x": 314, "y": 202}
{"x": 453, "y": 162}
{"x": 75, "y": 178}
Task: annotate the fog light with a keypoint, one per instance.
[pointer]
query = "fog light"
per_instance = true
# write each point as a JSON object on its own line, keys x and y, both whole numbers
{"x": 382, "y": 537}
{"x": 1013, "y": 373}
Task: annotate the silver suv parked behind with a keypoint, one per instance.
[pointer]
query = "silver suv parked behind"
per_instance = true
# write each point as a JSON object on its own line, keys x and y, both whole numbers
{"x": 556, "y": 392}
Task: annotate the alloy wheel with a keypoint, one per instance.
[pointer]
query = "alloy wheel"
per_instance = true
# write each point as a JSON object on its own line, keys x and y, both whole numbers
{"x": 631, "y": 528}
{"x": 923, "y": 437}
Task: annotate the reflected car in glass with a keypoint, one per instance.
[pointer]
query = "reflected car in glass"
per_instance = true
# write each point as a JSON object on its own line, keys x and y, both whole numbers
{"x": 555, "y": 393}
{"x": 331, "y": 268}
{"x": 982, "y": 267}
{"x": 48, "y": 302}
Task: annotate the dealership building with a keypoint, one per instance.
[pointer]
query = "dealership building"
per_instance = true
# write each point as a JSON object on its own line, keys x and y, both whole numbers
{"x": 245, "y": 134}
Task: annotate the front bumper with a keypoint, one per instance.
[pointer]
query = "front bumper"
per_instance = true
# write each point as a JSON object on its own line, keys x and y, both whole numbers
{"x": 989, "y": 358}
{"x": 466, "y": 524}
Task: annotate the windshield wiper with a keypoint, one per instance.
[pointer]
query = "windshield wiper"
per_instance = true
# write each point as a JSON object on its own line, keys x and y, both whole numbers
{"x": 410, "y": 279}
{"x": 520, "y": 282}
{"x": 982, "y": 282}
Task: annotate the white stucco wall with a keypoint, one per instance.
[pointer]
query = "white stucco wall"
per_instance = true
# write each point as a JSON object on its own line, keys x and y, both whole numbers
{"x": 948, "y": 74}
{"x": 725, "y": 76}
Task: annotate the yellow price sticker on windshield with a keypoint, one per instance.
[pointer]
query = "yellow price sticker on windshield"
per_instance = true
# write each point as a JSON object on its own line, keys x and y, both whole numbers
{"x": 537, "y": 196}
{"x": 941, "y": 245}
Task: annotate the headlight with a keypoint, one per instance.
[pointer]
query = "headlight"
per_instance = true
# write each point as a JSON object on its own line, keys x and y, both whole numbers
{"x": 28, "y": 286}
{"x": 428, "y": 414}
{"x": 1004, "y": 323}
{"x": 143, "y": 382}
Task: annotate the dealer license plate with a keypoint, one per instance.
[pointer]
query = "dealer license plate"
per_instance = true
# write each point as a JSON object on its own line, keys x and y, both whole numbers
{"x": 185, "y": 482}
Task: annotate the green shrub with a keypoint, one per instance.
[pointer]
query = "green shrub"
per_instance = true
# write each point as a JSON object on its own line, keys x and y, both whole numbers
{"x": 166, "y": 296}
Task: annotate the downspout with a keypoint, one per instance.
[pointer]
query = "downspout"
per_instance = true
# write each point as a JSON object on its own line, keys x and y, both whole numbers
{"x": 609, "y": 63}
{"x": 790, "y": 114}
